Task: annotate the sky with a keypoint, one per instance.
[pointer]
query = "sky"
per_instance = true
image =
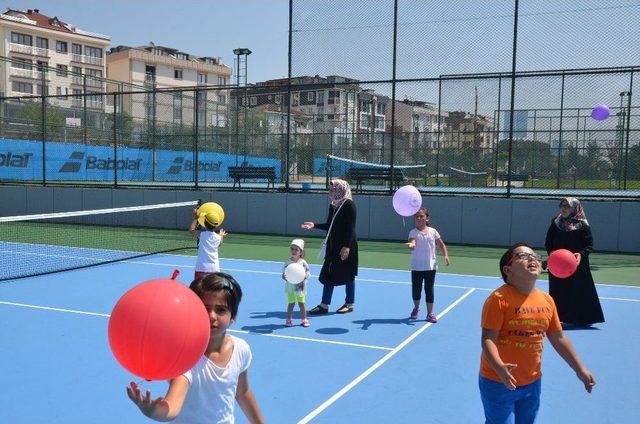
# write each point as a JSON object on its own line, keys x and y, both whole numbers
{"x": 341, "y": 37}
{"x": 204, "y": 28}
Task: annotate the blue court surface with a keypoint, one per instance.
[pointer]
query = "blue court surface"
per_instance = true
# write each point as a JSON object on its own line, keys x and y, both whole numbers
{"x": 373, "y": 365}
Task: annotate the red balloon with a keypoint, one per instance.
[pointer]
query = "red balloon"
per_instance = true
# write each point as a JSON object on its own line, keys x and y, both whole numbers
{"x": 562, "y": 263}
{"x": 159, "y": 329}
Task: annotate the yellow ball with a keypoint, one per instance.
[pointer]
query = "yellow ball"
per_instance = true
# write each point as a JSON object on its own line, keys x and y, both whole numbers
{"x": 210, "y": 213}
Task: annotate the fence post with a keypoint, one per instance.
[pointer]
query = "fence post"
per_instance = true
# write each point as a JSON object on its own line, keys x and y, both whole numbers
{"x": 497, "y": 120}
{"x": 560, "y": 133}
{"x": 115, "y": 140}
{"x": 393, "y": 95}
{"x": 513, "y": 94}
{"x": 628, "y": 130}
{"x": 439, "y": 129}
{"x": 84, "y": 109}
{"x": 195, "y": 138}
{"x": 44, "y": 126}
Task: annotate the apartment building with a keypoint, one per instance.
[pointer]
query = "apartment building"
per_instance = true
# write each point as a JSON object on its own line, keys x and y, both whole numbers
{"x": 417, "y": 123}
{"x": 329, "y": 105}
{"x": 47, "y": 55}
{"x": 157, "y": 67}
{"x": 466, "y": 130}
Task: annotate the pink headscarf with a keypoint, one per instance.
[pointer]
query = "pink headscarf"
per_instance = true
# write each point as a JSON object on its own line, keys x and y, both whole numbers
{"x": 339, "y": 191}
{"x": 576, "y": 218}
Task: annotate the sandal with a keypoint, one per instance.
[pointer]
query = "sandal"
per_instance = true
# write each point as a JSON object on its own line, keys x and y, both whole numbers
{"x": 319, "y": 310}
{"x": 344, "y": 309}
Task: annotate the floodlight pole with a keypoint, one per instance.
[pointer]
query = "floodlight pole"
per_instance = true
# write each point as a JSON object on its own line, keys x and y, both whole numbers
{"x": 513, "y": 93}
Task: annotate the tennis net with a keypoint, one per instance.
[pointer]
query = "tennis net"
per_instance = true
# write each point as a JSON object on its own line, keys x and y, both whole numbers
{"x": 41, "y": 244}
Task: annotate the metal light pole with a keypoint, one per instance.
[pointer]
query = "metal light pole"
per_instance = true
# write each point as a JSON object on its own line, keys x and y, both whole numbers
{"x": 242, "y": 55}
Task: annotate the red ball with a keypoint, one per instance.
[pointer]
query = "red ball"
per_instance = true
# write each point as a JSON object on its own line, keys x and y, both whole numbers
{"x": 562, "y": 263}
{"x": 159, "y": 329}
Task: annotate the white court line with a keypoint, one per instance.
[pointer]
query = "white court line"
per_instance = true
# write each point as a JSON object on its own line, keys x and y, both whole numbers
{"x": 48, "y": 308}
{"x": 306, "y": 339}
{"x": 367, "y": 280}
{"x": 497, "y": 277}
{"x": 378, "y": 364}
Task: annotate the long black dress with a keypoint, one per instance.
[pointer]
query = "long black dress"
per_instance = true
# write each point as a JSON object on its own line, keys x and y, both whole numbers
{"x": 575, "y": 297}
{"x": 335, "y": 271}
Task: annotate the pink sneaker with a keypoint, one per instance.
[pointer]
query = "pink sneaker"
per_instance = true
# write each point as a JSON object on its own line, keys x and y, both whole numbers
{"x": 432, "y": 318}
{"x": 305, "y": 323}
{"x": 288, "y": 323}
{"x": 414, "y": 313}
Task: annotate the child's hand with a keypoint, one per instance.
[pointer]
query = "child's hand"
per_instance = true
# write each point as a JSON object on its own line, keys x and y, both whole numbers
{"x": 222, "y": 232}
{"x": 587, "y": 379}
{"x": 446, "y": 260}
{"x": 578, "y": 257}
{"x": 147, "y": 405}
{"x": 307, "y": 225}
{"x": 301, "y": 286}
{"x": 504, "y": 372}
{"x": 411, "y": 245}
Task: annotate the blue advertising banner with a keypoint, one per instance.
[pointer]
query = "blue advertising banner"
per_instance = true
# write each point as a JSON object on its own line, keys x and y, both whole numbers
{"x": 21, "y": 160}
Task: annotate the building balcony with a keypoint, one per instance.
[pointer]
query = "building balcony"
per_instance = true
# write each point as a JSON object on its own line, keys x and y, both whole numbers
{"x": 92, "y": 82}
{"x": 76, "y": 80}
{"x": 75, "y": 57}
{"x": 21, "y": 48}
{"x": 95, "y": 104}
{"x": 92, "y": 60}
{"x": 24, "y": 73}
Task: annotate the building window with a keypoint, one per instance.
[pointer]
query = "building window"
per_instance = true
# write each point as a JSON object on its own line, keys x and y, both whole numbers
{"x": 76, "y": 49}
{"x": 222, "y": 80}
{"x": 39, "y": 90}
{"x": 310, "y": 96}
{"x": 77, "y": 70}
{"x": 222, "y": 99}
{"x": 182, "y": 56}
{"x": 61, "y": 47}
{"x": 18, "y": 62}
{"x": 379, "y": 123}
{"x": 22, "y": 87}
{"x": 320, "y": 115}
{"x": 334, "y": 97}
{"x": 320, "y": 98}
{"x": 278, "y": 99}
{"x": 295, "y": 99}
{"x": 97, "y": 73}
{"x": 42, "y": 43}
{"x": 253, "y": 100}
{"x": 380, "y": 109}
{"x": 19, "y": 38}
{"x": 365, "y": 106}
{"x": 93, "y": 51}
{"x": 61, "y": 70}
{"x": 177, "y": 74}
{"x": 365, "y": 120}
{"x": 62, "y": 91}
{"x": 202, "y": 78}
{"x": 42, "y": 66}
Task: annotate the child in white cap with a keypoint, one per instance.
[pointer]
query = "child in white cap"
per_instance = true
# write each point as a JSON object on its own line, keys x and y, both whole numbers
{"x": 296, "y": 291}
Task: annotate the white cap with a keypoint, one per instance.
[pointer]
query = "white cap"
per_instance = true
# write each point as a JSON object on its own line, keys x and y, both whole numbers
{"x": 299, "y": 243}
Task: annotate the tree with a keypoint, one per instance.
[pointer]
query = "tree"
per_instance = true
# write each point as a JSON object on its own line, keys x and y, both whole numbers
{"x": 31, "y": 113}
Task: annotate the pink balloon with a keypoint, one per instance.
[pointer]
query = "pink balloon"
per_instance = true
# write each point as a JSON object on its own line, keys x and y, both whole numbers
{"x": 407, "y": 200}
{"x": 562, "y": 263}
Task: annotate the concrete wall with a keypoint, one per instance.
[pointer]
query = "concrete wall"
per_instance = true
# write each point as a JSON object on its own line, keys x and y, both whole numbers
{"x": 481, "y": 221}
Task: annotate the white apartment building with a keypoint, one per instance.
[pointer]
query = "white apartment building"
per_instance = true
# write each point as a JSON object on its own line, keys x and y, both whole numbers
{"x": 47, "y": 54}
{"x": 156, "y": 67}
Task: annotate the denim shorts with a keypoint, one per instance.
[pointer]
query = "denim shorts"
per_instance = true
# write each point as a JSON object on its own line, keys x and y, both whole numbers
{"x": 504, "y": 406}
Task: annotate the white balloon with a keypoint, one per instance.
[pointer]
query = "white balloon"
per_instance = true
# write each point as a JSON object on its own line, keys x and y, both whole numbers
{"x": 295, "y": 273}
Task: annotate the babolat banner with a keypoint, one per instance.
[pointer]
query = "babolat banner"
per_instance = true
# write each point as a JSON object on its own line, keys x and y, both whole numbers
{"x": 21, "y": 160}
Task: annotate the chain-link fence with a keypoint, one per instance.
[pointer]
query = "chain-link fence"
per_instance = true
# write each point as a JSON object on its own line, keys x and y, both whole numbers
{"x": 467, "y": 97}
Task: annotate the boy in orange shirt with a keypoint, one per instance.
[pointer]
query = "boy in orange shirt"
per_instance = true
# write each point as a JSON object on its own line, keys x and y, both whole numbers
{"x": 515, "y": 319}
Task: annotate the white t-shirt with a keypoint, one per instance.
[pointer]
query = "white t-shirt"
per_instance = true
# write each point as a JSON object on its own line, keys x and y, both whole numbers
{"x": 207, "y": 260}
{"x": 423, "y": 257}
{"x": 212, "y": 390}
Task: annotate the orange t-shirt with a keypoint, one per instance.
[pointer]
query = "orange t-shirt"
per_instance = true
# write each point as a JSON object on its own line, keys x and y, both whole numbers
{"x": 523, "y": 321}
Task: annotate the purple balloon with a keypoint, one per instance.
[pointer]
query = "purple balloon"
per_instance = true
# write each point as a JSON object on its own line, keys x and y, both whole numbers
{"x": 600, "y": 112}
{"x": 407, "y": 200}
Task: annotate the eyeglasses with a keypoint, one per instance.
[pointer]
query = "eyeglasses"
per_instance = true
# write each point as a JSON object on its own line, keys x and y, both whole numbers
{"x": 526, "y": 256}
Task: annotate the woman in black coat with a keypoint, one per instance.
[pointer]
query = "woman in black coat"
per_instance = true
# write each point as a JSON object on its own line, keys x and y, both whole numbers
{"x": 575, "y": 297}
{"x": 340, "y": 265}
